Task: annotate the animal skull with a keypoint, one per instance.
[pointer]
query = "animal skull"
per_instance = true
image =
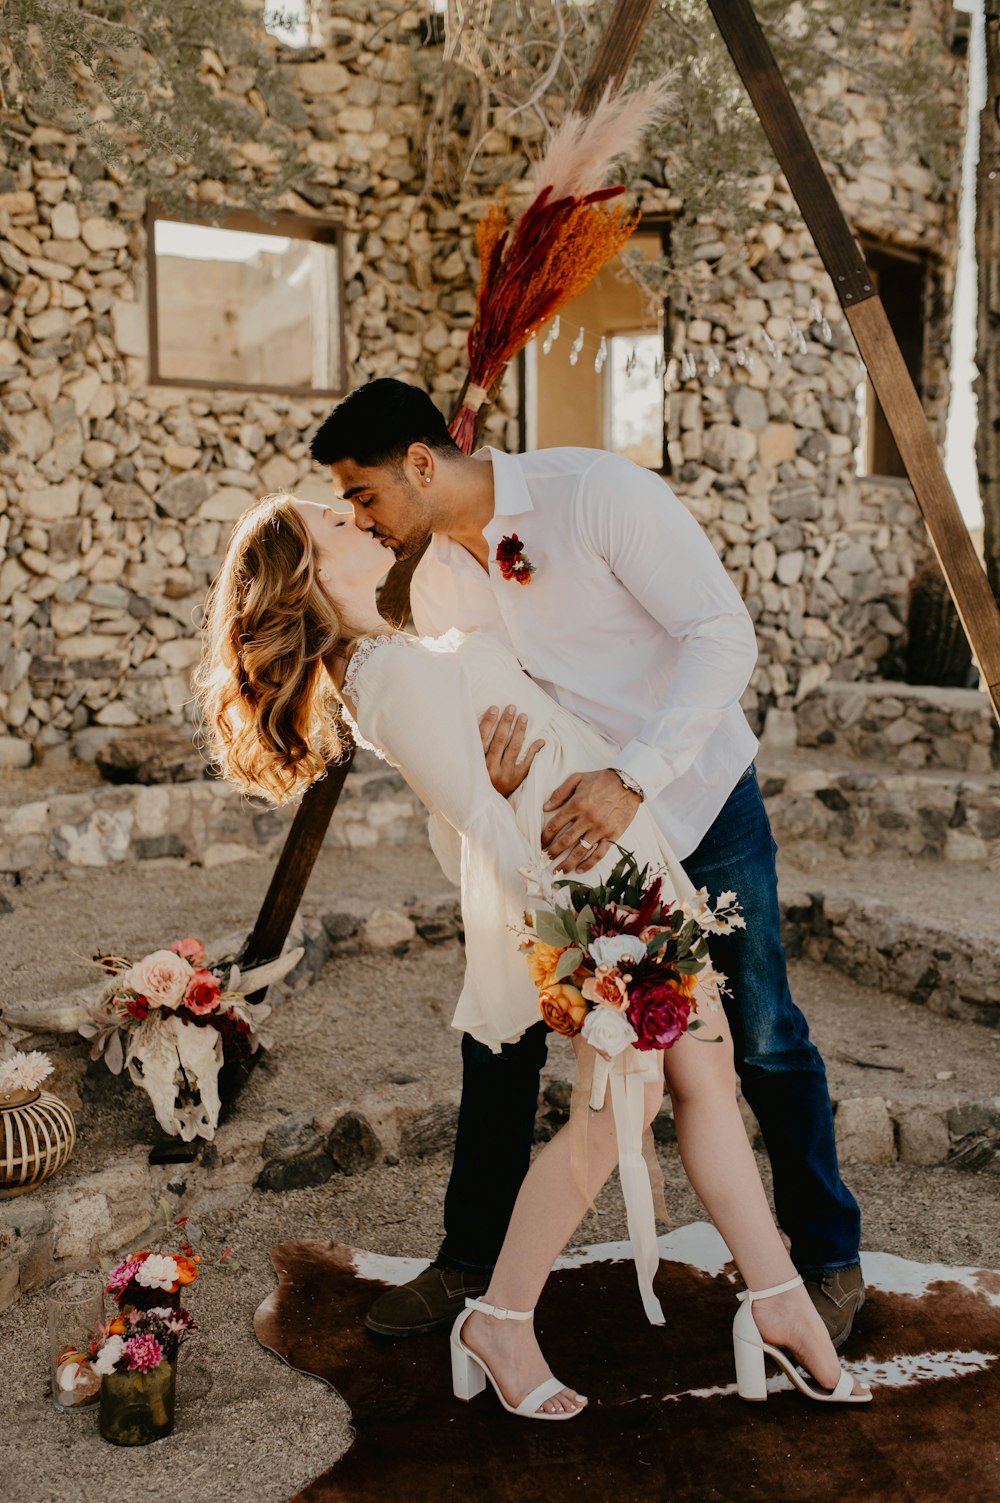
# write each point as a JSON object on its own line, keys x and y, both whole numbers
{"x": 177, "y": 1064}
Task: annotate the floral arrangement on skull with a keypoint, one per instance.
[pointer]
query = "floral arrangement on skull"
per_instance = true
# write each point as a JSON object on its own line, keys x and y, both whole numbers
{"x": 172, "y": 1020}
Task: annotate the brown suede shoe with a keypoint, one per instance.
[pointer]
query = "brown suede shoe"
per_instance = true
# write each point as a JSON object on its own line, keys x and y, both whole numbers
{"x": 838, "y": 1297}
{"x": 430, "y": 1302}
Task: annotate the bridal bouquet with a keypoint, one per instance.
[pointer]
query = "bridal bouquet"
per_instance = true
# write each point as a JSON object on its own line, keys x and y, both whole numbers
{"x": 172, "y": 1020}
{"x": 620, "y": 965}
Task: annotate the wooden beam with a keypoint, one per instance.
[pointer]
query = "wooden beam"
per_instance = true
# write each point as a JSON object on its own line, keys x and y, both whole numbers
{"x": 843, "y": 260}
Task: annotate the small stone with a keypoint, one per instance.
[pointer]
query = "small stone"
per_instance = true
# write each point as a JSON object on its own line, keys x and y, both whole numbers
{"x": 341, "y": 926}
{"x": 65, "y": 221}
{"x": 53, "y": 502}
{"x": 14, "y": 752}
{"x": 353, "y": 1144}
{"x": 923, "y": 1135}
{"x": 152, "y": 755}
{"x": 944, "y": 1075}
{"x": 776, "y": 444}
{"x": 98, "y": 455}
{"x": 181, "y": 456}
{"x": 865, "y": 1131}
{"x": 388, "y": 927}
{"x": 790, "y": 566}
{"x": 156, "y": 847}
{"x": 183, "y": 495}
{"x": 103, "y": 235}
{"x": 52, "y": 324}
{"x": 128, "y": 321}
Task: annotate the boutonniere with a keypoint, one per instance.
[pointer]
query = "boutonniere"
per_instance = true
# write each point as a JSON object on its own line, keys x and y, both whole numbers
{"x": 512, "y": 561}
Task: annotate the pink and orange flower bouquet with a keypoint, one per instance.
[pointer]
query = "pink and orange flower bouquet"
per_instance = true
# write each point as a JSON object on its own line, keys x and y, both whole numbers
{"x": 620, "y": 965}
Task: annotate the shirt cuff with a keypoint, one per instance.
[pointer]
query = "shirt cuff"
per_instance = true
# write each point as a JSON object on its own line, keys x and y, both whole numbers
{"x": 650, "y": 770}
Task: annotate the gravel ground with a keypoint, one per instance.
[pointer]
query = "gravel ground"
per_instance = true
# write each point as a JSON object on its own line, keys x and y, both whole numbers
{"x": 249, "y": 1427}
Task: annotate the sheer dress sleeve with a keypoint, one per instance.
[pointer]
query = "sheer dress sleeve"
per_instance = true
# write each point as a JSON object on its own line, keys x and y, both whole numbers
{"x": 415, "y": 704}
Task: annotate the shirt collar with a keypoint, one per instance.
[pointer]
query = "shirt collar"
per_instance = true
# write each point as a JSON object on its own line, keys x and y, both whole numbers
{"x": 511, "y": 497}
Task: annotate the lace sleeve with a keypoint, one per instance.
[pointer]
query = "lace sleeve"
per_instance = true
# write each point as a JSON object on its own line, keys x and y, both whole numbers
{"x": 359, "y": 657}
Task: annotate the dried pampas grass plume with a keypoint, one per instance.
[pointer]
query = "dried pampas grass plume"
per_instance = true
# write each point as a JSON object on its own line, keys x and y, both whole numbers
{"x": 582, "y": 152}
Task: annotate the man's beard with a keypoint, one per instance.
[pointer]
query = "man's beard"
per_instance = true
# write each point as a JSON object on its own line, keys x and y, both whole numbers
{"x": 411, "y": 545}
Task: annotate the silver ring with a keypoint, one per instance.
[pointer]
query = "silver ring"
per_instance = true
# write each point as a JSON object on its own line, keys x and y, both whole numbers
{"x": 587, "y": 844}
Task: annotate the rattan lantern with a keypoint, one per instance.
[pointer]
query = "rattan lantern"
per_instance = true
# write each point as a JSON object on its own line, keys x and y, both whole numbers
{"x": 37, "y": 1136}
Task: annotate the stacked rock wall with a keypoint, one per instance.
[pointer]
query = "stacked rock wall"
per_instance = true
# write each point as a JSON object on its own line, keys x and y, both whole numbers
{"x": 116, "y": 495}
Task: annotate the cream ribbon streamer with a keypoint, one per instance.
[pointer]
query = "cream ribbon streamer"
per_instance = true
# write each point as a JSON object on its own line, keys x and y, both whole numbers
{"x": 627, "y": 1074}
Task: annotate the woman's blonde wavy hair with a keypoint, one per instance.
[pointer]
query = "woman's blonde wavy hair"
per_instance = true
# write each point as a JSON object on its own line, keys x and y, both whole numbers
{"x": 268, "y": 705}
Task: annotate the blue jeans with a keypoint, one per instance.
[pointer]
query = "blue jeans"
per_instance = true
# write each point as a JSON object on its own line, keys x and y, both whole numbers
{"x": 780, "y": 1070}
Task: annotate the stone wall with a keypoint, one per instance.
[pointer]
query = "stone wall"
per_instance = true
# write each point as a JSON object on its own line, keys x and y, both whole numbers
{"x": 116, "y": 495}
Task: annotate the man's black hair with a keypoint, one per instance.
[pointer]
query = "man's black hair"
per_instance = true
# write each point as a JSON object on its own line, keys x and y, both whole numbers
{"x": 376, "y": 424}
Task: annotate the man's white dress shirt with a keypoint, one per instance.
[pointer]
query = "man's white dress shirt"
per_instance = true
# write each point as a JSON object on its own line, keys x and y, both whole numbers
{"x": 629, "y": 620}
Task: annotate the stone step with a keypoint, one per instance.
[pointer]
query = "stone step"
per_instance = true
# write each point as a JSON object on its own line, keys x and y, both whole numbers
{"x": 905, "y": 725}
{"x": 859, "y": 809}
{"x": 96, "y": 824}
{"x": 900, "y": 928}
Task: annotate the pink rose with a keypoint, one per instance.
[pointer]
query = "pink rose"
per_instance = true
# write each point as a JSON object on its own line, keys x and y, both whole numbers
{"x": 202, "y": 994}
{"x": 162, "y": 978}
{"x": 190, "y": 949}
{"x": 608, "y": 988}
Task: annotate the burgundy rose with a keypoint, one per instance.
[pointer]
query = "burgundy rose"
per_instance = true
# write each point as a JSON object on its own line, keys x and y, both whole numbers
{"x": 138, "y": 1008}
{"x": 659, "y": 1013}
{"x": 513, "y": 564}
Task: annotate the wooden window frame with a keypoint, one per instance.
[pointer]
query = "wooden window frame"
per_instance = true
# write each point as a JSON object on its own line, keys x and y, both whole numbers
{"x": 287, "y": 226}
{"x": 654, "y": 223}
{"x": 874, "y": 251}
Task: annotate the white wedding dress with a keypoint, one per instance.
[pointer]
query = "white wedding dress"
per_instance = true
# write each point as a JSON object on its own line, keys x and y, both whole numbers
{"x": 418, "y": 703}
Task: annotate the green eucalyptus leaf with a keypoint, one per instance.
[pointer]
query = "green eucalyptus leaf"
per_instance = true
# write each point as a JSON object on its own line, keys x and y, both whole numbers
{"x": 550, "y": 928}
{"x": 568, "y": 962}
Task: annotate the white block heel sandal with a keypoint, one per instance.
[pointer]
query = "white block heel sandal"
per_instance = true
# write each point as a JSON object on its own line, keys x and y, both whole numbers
{"x": 469, "y": 1372}
{"x": 750, "y": 1349}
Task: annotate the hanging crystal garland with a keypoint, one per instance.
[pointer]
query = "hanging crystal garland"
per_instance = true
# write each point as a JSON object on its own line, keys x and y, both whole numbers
{"x": 551, "y": 336}
{"x": 575, "y": 348}
{"x": 630, "y": 363}
{"x": 819, "y": 317}
{"x": 600, "y": 359}
{"x": 713, "y": 364}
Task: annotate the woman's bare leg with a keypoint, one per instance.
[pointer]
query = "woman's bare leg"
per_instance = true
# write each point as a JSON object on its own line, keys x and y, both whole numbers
{"x": 547, "y": 1212}
{"x": 719, "y": 1162}
{"x": 720, "y": 1165}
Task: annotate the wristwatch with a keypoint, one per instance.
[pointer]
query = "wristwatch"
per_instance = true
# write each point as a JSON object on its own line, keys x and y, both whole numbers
{"x": 629, "y": 782}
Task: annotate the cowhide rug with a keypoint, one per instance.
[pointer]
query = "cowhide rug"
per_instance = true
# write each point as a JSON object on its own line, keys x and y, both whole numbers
{"x": 664, "y": 1424}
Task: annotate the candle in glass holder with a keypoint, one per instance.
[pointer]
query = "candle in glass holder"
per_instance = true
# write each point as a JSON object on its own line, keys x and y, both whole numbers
{"x": 74, "y": 1308}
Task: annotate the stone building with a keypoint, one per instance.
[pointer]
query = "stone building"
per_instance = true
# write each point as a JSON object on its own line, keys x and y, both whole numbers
{"x": 155, "y": 379}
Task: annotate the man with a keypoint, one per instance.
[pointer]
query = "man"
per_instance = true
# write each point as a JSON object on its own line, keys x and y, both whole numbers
{"x": 615, "y": 602}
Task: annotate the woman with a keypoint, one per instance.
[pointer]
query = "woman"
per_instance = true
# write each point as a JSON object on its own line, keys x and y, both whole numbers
{"x": 292, "y": 628}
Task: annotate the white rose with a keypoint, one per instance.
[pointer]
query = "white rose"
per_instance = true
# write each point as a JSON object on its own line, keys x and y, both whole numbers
{"x": 162, "y": 978}
{"x": 157, "y": 1272}
{"x": 104, "y": 1362}
{"x": 610, "y": 949}
{"x": 608, "y": 1030}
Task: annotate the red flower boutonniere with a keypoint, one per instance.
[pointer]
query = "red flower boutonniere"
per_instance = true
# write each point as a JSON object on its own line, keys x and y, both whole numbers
{"x": 511, "y": 560}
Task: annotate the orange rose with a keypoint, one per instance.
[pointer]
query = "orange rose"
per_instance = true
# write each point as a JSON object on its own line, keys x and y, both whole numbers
{"x": 563, "y": 1008}
{"x": 187, "y": 1268}
{"x": 542, "y": 962}
{"x": 688, "y": 985}
{"x": 117, "y": 1327}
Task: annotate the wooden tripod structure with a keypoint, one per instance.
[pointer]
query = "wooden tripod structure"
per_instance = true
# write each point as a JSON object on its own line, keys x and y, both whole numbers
{"x": 863, "y": 309}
